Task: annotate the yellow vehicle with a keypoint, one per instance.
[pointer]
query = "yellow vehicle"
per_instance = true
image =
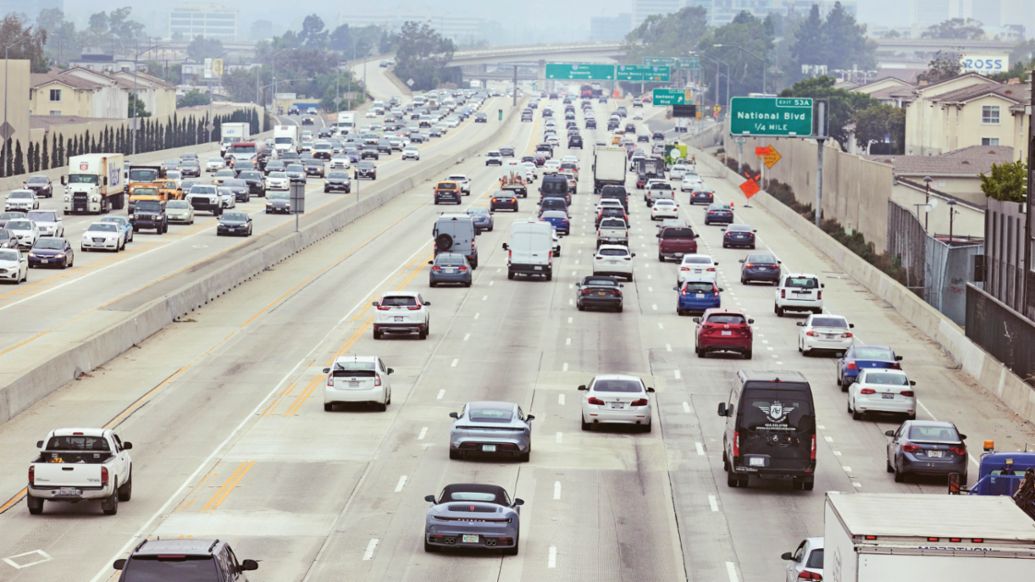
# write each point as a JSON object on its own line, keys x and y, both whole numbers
{"x": 162, "y": 191}
{"x": 616, "y": 139}
{"x": 170, "y": 190}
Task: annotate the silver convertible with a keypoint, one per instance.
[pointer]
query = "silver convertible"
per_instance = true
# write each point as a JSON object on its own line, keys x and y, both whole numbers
{"x": 473, "y": 516}
{"x": 489, "y": 428}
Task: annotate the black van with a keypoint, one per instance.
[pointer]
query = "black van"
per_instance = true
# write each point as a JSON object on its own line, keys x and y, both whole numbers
{"x": 770, "y": 429}
{"x": 555, "y": 186}
{"x": 616, "y": 192}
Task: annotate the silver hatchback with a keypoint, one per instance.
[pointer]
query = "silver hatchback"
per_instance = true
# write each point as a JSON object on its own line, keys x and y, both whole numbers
{"x": 491, "y": 429}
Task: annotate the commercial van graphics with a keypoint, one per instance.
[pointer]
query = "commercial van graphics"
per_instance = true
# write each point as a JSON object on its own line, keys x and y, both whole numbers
{"x": 779, "y": 427}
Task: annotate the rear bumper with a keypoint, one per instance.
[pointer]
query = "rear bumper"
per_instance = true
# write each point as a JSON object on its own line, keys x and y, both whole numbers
{"x": 530, "y": 269}
{"x": 767, "y": 275}
{"x": 76, "y": 494}
{"x": 333, "y": 395}
{"x": 781, "y": 470}
{"x": 402, "y": 327}
{"x": 629, "y": 415}
{"x": 724, "y": 345}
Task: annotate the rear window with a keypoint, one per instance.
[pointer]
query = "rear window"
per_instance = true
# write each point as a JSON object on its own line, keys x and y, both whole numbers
{"x": 77, "y": 443}
{"x": 933, "y": 433}
{"x": 612, "y": 223}
{"x": 490, "y": 414}
{"x": 614, "y": 252}
{"x": 403, "y": 301}
{"x": 174, "y": 567}
{"x": 873, "y": 353}
{"x": 829, "y": 322}
{"x": 601, "y": 282}
{"x": 761, "y": 259}
{"x": 555, "y": 186}
{"x": 617, "y": 386}
{"x": 727, "y": 319}
{"x": 677, "y": 233}
{"x": 697, "y": 261}
{"x": 887, "y": 379}
{"x": 801, "y": 282}
{"x": 777, "y": 410}
{"x": 699, "y": 287}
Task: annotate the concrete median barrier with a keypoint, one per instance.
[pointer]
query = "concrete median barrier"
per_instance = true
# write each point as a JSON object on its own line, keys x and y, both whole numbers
{"x": 990, "y": 373}
{"x": 153, "y": 308}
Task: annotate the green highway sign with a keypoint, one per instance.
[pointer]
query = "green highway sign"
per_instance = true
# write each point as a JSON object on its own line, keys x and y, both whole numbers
{"x": 577, "y": 72}
{"x": 655, "y": 73}
{"x": 656, "y": 61}
{"x": 669, "y": 97}
{"x": 688, "y": 63}
{"x": 771, "y": 116}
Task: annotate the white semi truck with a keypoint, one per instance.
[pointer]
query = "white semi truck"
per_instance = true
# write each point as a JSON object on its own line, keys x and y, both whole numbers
{"x": 875, "y": 537}
{"x": 231, "y": 133}
{"x": 95, "y": 184}
{"x": 609, "y": 165}
{"x": 346, "y": 121}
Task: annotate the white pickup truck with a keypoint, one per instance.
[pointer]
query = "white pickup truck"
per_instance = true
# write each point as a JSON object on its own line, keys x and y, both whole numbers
{"x": 81, "y": 464}
{"x": 612, "y": 231}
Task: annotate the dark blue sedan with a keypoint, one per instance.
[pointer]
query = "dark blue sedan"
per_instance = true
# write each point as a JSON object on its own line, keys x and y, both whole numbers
{"x": 718, "y": 213}
{"x": 483, "y": 219}
{"x": 738, "y": 235}
{"x": 760, "y": 267}
{"x": 559, "y": 220}
{"x": 697, "y": 296}
{"x": 864, "y": 356}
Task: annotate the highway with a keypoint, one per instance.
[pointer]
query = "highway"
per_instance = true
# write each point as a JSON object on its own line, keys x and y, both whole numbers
{"x": 60, "y": 307}
{"x": 231, "y": 441}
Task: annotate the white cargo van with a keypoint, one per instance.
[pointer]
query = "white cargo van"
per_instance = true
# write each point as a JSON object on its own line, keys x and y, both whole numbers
{"x": 530, "y": 250}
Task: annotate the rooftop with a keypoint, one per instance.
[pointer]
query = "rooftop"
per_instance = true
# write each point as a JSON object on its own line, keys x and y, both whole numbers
{"x": 969, "y": 161}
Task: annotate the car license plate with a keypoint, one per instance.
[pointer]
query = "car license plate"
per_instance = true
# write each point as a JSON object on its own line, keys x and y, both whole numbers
{"x": 887, "y": 396}
{"x": 618, "y": 405}
{"x": 448, "y": 270}
{"x": 469, "y": 539}
{"x": 756, "y": 461}
{"x": 538, "y": 268}
{"x": 44, "y": 260}
{"x": 488, "y": 448}
{"x": 727, "y": 332}
{"x": 398, "y": 319}
{"x": 601, "y": 293}
{"x": 934, "y": 454}
{"x": 353, "y": 382}
{"x": 699, "y": 295}
{"x": 68, "y": 491}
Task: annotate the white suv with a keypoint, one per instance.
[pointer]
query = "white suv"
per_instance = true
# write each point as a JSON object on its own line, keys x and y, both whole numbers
{"x": 463, "y": 180}
{"x": 799, "y": 292}
{"x": 402, "y": 312}
{"x": 358, "y": 379}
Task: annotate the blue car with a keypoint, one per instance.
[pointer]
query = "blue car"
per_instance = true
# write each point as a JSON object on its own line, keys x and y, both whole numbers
{"x": 559, "y": 220}
{"x": 697, "y": 296}
{"x": 864, "y": 356}
{"x": 483, "y": 219}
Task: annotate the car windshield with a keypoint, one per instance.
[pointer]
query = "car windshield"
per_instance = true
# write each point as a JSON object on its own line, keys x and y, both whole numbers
{"x": 600, "y": 282}
{"x": 82, "y": 179}
{"x": 199, "y": 189}
{"x": 478, "y": 211}
{"x": 277, "y": 196}
{"x": 9, "y": 255}
{"x": 20, "y": 194}
{"x": 278, "y": 175}
{"x": 235, "y": 217}
{"x": 172, "y": 567}
{"x": 727, "y": 319}
{"x": 50, "y": 243}
{"x": 103, "y": 227}
{"x": 295, "y": 168}
{"x": 19, "y": 225}
{"x": 490, "y": 414}
{"x": 738, "y": 228}
{"x": 837, "y": 322}
{"x": 149, "y": 205}
{"x": 873, "y": 353}
{"x": 249, "y": 175}
{"x": 37, "y": 180}
{"x": 337, "y": 176}
{"x": 886, "y": 378}
{"x": 922, "y": 432}
{"x": 399, "y": 301}
{"x": 177, "y": 204}
{"x": 617, "y": 385}
{"x": 801, "y": 282}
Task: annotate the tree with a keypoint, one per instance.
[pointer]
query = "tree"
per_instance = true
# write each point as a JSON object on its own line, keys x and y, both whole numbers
{"x": 8, "y": 158}
{"x": 422, "y": 55}
{"x": 883, "y": 124}
{"x": 202, "y": 48}
{"x": 137, "y": 107}
{"x": 809, "y": 45}
{"x": 45, "y": 156}
{"x": 736, "y": 45}
{"x": 19, "y": 159}
{"x": 956, "y": 29}
{"x": 1008, "y": 182}
{"x": 25, "y": 43}
{"x": 842, "y": 105}
{"x": 667, "y": 35}
{"x": 836, "y": 43}
{"x": 195, "y": 98}
{"x": 944, "y": 66}
{"x": 63, "y": 40}
{"x": 313, "y": 34}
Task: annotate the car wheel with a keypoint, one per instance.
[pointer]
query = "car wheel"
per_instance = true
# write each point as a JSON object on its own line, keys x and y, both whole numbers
{"x": 432, "y": 284}
{"x": 125, "y": 491}
{"x": 779, "y": 311}
{"x": 700, "y": 352}
{"x": 808, "y": 484}
{"x": 382, "y": 406}
{"x": 747, "y": 355}
{"x": 328, "y": 407}
{"x": 732, "y": 480}
{"x": 35, "y": 504}
{"x": 647, "y": 427}
{"x": 525, "y": 457}
{"x": 424, "y": 332}
{"x": 900, "y": 477}
{"x": 586, "y": 425}
{"x": 580, "y": 307}
{"x": 888, "y": 467}
{"x": 377, "y": 334}
{"x": 429, "y": 548}
{"x": 110, "y": 506}
{"x": 454, "y": 454}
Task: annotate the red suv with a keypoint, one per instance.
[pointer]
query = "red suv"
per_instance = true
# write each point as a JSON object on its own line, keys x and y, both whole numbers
{"x": 723, "y": 330}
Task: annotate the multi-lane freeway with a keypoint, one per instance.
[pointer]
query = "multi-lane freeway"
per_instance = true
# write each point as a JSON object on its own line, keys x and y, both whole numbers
{"x": 231, "y": 441}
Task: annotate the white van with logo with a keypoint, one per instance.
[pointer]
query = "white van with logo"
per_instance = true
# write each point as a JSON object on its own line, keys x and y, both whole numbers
{"x": 530, "y": 250}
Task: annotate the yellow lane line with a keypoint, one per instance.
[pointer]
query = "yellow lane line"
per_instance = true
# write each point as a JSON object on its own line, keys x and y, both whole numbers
{"x": 189, "y": 501}
{"x": 276, "y": 400}
{"x": 14, "y": 500}
{"x": 140, "y": 402}
{"x": 315, "y": 381}
{"x": 25, "y": 341}
{"x": 228, "y": 486}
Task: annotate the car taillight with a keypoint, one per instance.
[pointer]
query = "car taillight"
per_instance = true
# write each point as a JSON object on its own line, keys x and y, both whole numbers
{"x": 594, "y": 400}
{"x": 783, "y": 294}
{"x": 809, "y": 576}
{"x": 819, "y": 294}
{"x": 639, "y": 402}
{"x": 436, "y": 268}
{"x": 852, "y": 366}
{"x": 910, "y": 448}
{"x": 749, "y": 265}
{"x": 867, "y": 391}
{"x": 736, "y": 445}
{"x": 462, "y": 269}
{"x": 895, "y": 366}
{"x": 812, "y": 448}
{"x": 414, "y": 307}
{"x": 377, "y": 380}
{"x": 810, "y": 333}
{"x": 847, "y": 334}
{"x": 104, "y": 476}
{"x": 586, "y": 291}
{"x": 684, "y": 268}
{"x": 383, "y": 308}
{"x": 959, "y": 450}
{"x": 907, "y": 393}
{"x": 32, "y": 476}
{"x": 711, "y": 269}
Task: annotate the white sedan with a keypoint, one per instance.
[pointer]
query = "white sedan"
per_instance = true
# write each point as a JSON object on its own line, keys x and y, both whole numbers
{"x": 691, "y": 182}
{"x": 697, "y": 268}
{"x": 664, "y": 208}
{"x": 214, "y": 165}
{"x": 277, "y": 181}
{"x": 14, "y": 266}
{"x": 614, "y": 260}
{"x": 411, "y": 154}
{"x": 24, "y": 232}
{"x": 823, "y": 332}
{"x": 882, "y": 390}
{"x": 616, "y": 399}
{"x": 104, "y": 236}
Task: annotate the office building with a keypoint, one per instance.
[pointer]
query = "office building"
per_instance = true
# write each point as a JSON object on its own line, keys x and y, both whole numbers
{"x": 209, "y": 21}
{"x": 609, "y": 28}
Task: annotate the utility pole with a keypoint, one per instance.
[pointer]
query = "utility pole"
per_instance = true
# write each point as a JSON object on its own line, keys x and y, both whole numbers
{"x": 514, "y": 102}
{"x": 821, "y": 137}
{"x": 927, "y": 199}
{"x": 1029, "y": 254}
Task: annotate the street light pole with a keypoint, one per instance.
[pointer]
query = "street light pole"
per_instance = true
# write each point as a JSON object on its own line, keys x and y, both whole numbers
{"x": 763, "y": 60}
{"x": 927, "y": 199}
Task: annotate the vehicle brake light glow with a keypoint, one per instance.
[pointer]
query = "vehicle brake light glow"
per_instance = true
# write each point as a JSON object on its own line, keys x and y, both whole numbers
{"x": 783, "y": 294}
{"x": 383, "y": 308}
{"x": 810, "y": 333}
{"x": 809, "y": 576}
{"x": 104, "y": 476}
{"x": 812, "y": 448}
{"x": 852, "y": 366}
{"x": 736, "y": 445}
{"x": 32, "y": 476}
{"x": 377, "y": 380}
{"x": 870, "y": 538}
{"x": 436, "y": 268}
{"x": 639, "y": 402}
{"x": 595, "y": 401}
{"x": 867, "y": 391}
{"x": 414, "y": 307}
{"x": 907, "y": 393}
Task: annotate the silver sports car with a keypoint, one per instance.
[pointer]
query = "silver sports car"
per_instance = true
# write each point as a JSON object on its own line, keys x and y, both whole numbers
{"x": 473, "y": 516}
{"x": 492, "y": 429}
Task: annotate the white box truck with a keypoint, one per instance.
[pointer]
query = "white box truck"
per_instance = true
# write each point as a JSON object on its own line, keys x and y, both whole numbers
{"x": 95, "y": 184}
{"x": 875, "y": 537}
{"x": 346, "y": 121}
{"x": 530, "y": 249}
{"x": 233, "y": 132}
{"x": 285, "y": 138}
{"x": 609, "y": 165}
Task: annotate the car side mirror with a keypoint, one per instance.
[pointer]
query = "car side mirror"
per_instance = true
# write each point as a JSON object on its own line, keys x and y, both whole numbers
{"x": 723, "y": 229}
{"x": 750, "y": 321}
{"x": 800, "y": 324}
{"x": 697, "y": 320}
{"x": 374, "y": 303}
{"x": 506, "y": 246}
{"x": 912, "y": 382}
{"x": 390, "y": 371}
{"x": 898, "y": 358}
{"x": 787, "y": 556}
{"x": 39, "y": 444}
{"x": 963, "y": 437}
{"x": 530, "y": 418}
{"x": 429, "y": 498}
{"x": 431, "y": 262}
{"x": 633, "y": 254}
{"x": 249, "y": 565}
{"x": 454, "y": 415}
{"x": 675, "y": 288}
{"x": 119, "y": 564}
{"x": 851, "y": 326}
{"x": 722, "y": 409}
{"x": 427, "y": 303}
{"x": 889, "y": 433}
{"x": 716, "y": 262}
{"x": 326, "y": 370}
{"x": 518, "y": 501}
{"x": 582, "y": 387}
{"x": 822, "y": 285}
{"x": 650, "y": 389}
{"x": 127, "y": 446}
